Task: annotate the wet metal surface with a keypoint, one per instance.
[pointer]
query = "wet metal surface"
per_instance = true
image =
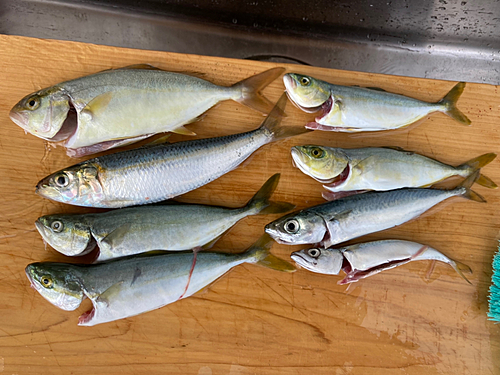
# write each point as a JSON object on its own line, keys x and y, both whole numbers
{"x": 452, "y": 40}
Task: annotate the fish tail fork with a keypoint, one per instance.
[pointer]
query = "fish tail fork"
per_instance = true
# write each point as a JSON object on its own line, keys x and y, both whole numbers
{"x": 250, "y": 90}
{"x": 465, "y": 190}
{"x": 476, "y": 164}
{"x": 261, "y": 203}
{"x": 259, "y": 254}
{"x": 449, "y": 104}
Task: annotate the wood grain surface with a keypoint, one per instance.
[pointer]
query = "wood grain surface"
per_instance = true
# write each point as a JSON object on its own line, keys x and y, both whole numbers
{"x": 254, "y": 320}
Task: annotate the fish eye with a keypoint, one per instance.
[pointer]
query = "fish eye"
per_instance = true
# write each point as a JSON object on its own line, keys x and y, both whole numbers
{"x": 313, "y": 253}
{"x": 57, "y": 226}
{"x": 61, "y": 180}
{"x": 305, "y": 81}
{"x": 292, "y": 226}
{"x": 33, "y": 103}
{"x": 317, "y": 152}
{"x": 46, "y": 281}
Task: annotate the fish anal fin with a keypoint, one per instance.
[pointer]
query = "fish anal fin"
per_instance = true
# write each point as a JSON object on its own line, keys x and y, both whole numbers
{"x": 210, "y": 244}
{"x": 183, "y": 130}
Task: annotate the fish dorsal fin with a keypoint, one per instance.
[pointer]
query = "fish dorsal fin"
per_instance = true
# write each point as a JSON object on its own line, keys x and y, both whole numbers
{"x": 99, "y": 103}
{"x": 141, "y": 66}
{"x": 395, "y": 148}
{"x": 376, "y": 89}
{"x": 183, "y": 130}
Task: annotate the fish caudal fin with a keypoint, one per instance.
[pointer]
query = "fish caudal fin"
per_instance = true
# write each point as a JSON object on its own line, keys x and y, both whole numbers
{"x": 466, "y": 190}
{"x": 477, "y": 163}
{"x": 260, "y": 254}
{"x": 260, "y": 201}
{"x": 272, "y": 123}
{"x": 449, "y": 102}
{"x": 250, "y": 90}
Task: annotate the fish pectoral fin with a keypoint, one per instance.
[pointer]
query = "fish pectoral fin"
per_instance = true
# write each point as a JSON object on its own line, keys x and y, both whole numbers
{"x": 112, "y": 292}
{"x": 140, "y": 66}
{"x": 333, "y": 223}
{"x": 115, "y": 237}
{"x": 340, "y": 216}
{"x": 99, "y": 103}
{"x": 183, "y": 130}
{"x": 103, "y": 146}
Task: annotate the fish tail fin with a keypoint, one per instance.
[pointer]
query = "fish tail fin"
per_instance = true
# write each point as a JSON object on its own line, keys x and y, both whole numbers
{"x": 259, "y": 254}
{"x": 460, "y": 267}
{"x": 465, "y": 190}
{"x": 476, "y": 164}
{"x": 272, "y": 124}
{"x": 250, "y": 90}
{"x": 449, "y": 104}
{"x": 260, "y": 202}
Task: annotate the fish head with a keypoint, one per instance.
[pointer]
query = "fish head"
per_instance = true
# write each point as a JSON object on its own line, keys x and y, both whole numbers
{"x": 323, "y": 164}
{"x": 78, "y": 185}
{"x": 302, "y": 227}
{"x": 320, "y": 260}
{"x": 57, "y": 283}
{"x": 42, "y": 113}
{"x": 66, "y": 233}
{"x": 306, "y": 92}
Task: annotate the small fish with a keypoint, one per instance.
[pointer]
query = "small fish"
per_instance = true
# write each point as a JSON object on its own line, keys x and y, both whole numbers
{"x": 134, "y": 230}
{"x": 129, "y": 286}
{"x": 379, "y": 168}
{"x": 356, "y": 215}
{"x": 366, "y": 259}
{"x": 121, "y": 106}
{"x": 156, "y": 173}
{"x": 357, "y": 109}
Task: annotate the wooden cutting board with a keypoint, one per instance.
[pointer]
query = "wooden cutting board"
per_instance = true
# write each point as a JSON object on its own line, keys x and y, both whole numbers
{"x": 253, "y": 320}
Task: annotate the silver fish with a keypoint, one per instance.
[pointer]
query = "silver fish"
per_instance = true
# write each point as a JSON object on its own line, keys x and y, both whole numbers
{"x": 129, "y": 286}
{"x": 356, "y": 109}
{"x": 366, "y": 259}
{"x": 121, "y": 106}
{"x": 160, "y": 172}
{"x": 379, "y": 168}
{"x": 134, "y": 230}
{"x": 354, "y": 216}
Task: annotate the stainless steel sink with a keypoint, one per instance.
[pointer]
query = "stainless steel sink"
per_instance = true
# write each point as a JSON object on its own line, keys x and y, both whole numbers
{"x": 452, "y": 40}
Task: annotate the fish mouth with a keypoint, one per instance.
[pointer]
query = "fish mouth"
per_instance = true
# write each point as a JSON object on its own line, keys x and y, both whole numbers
{"x": 301, "y": 261}
{"x": 20, "y": 119}
{"x": 289, "y": 82}
{"x": 41, "y": 229}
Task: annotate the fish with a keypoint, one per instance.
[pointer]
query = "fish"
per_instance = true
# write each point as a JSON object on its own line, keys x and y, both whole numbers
{"x": 125, "y": 287}
{"x": 362, "y": 260}
{"x": 134, "y": 230}
{"x": 379, "y": 168}
{"x": 360, "y": 109}
{"x": 117, "y": 107}
{"x": 354, "y": 216}
{"x": 160, "y": 172}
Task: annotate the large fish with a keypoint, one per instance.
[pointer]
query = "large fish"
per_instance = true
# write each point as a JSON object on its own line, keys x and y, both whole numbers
{"x": 356, "y": 215}
{"x": 160, "y": 172}
{"x": 134, "y": 230}
{"x": 366, "y": 259}
{"x": 129, "y": 286}
{"x": 379, "y": 168}
{"x": 120, "y": 106}
{"x": 357, "y": 109}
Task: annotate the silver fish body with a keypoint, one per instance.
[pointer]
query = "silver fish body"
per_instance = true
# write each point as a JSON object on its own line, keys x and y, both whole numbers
{"x": 355, "y": 109}
{"x": 120, "y": 106}
{"x": 172, "y": 227}
{"x": 366, "y": 259}
{"x": 129, "y": 286}
{"x": 357, "y": 215}
{"x": 160, "y": 172}
{"x": 379, "y": 168}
